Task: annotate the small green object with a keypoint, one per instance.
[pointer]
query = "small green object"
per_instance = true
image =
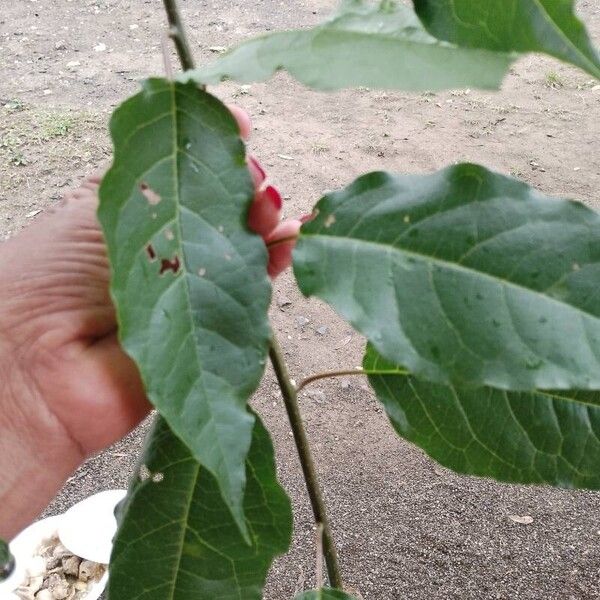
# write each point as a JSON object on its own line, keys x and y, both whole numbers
{"x": 7, "y": 561}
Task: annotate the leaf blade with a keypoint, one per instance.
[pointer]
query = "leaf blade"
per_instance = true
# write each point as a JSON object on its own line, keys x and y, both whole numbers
{"x": 464, "y": 275}
{"x": 539, "y": 437}
{"x": 177, "y": 538}
{"x": 188, "y": 280}
{"x": 361, "y": 46}
{"x": 549, "y": 26}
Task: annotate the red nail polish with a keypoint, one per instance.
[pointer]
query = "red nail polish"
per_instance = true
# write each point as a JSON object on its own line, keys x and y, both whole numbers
{"x": 259, "y": 171}
{"x": 274, "y": 196}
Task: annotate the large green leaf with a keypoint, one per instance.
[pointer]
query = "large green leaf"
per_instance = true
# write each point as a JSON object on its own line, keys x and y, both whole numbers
{"x": 548, "y": 26}
{"x": 178, "y": 540}
{"x": 324, "y": 594}
{"x": 189, "y": 280}
{"x": 464, "y": 275}
{"x": 550, "y": 437}
{"x": 382, "y": 46}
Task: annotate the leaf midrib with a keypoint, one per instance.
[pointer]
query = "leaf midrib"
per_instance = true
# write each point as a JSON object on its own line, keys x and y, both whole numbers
{"x": 178, "y": 225}
{"x": 451, "y": 266}
{"x": 565, "y": 37}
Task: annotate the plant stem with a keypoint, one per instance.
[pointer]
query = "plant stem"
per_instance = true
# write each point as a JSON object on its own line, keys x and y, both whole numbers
{"x": 177, "y": 34}
{"x": 290, "y": 399}
{"x": 327, "y": 375}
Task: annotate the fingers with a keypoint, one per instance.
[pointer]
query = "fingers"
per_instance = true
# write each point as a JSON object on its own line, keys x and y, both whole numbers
{"x": 243, "y": 120}
{"x": 264, "y": 218}
{"x": 265, "y": 211}
{"x": 122, "y": 403}
{"x": 95, "y": 178}
{"x": 256, "y": 171}
{"x": 280, "y": 243}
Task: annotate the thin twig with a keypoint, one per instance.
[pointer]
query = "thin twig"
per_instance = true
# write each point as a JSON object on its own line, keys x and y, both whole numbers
{"x": 166, "y": 56}
{"x": 327, "y": 375}
{"x": 177, "y": 34}
{"x": 290, "y": 399}
{"x": 319, "y": 569}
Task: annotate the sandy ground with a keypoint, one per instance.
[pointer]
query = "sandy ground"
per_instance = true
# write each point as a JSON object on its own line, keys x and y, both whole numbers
{"x": 406, "y": 528}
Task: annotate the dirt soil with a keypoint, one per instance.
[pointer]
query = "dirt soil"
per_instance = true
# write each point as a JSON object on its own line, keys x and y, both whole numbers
{"x": 406, "y": 527}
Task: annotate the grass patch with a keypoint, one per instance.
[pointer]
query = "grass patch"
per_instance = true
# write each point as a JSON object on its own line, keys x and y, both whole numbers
{"x": 51, "y": 140}
{"x": 56, "y": 124}
{"x": 554, "y": 80}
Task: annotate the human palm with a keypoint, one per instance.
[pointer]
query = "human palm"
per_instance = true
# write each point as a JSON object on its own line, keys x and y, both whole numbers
{"x": 68, "y": 389}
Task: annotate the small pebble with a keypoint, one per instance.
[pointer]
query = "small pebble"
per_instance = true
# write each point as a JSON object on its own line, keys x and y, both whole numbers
{"x": 71, "y": 565}
{"x": 60, "y": 592}
{"x": 318, "y": 396}
{"x": 60, "y": 551}
{"x": 52, "y": 562}
{"x": 284, "y": 303}
{"x": 87, "y": 570}
{"x": 301, "y": 322}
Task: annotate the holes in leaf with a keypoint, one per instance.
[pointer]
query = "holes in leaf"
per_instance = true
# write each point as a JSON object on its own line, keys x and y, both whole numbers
{"x": 144, "y": 473}
{"x": 150, "y": 195}
{"x": 166, "y": 264}
{"x": 329, "y": 221}
{"x": 170, "y": 265}
{"x": 151, "y": 252}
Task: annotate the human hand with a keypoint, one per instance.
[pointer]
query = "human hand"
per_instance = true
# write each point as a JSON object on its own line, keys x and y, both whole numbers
{"x": 68, "y": 388}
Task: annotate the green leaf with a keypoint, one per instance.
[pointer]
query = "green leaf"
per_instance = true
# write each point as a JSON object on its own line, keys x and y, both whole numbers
{"x": 188, "y": 279}
{"x": 462, "y": 276}
{"x": 177, "y": 538}
{"x": 7, "y": 561}
{"x": 325, "y": 594}
{"x": 550, "y": 437}
{"x": 548, "y": 26}
{"x": 4, "y": 552}
{"x": 382, "y": 46}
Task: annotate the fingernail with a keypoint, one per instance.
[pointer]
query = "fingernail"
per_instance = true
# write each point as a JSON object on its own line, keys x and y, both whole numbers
{"x": 274, "y": 196}
{"x": 257, "y": 172}
{"x": 307, "y": 218}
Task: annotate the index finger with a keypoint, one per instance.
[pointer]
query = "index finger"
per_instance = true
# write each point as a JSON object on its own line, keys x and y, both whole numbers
{"x": 243, "y": 120}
